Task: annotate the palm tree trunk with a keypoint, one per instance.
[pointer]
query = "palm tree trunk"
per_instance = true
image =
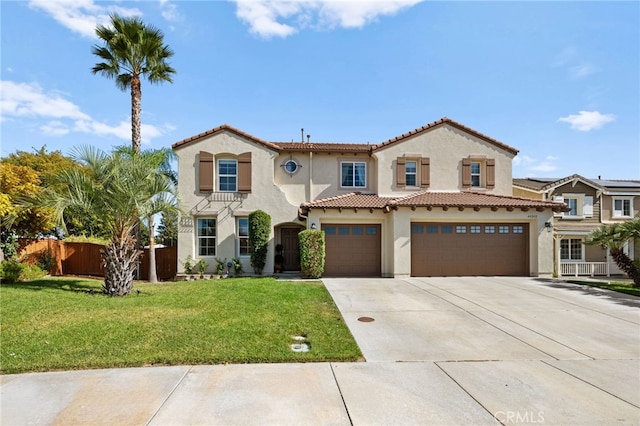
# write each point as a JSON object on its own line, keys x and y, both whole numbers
{"x": 626, "y": 265}
{"x": 136, "y": 108}
{"x": 120, "y": 259}
{"x": 153, "y": 276}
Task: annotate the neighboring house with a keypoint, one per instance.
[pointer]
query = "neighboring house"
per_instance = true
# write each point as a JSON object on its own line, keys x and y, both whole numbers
{"x": 592, "y": 203}
{"x": 435, "y": 201}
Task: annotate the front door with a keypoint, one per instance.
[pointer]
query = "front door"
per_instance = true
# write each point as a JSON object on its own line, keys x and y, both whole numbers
{"x": 291, "y": 249}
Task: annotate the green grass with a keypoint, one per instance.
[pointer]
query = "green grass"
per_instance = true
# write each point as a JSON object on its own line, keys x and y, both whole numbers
{"x": 56, "y": 324}
{"x": 620, "y": 287}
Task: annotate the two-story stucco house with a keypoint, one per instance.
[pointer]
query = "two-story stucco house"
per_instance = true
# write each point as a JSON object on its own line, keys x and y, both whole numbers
{"x": 591, "y": 203}
{"x": 435, "y": 201}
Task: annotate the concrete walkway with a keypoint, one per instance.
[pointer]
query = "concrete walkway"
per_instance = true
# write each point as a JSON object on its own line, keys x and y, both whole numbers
{"x": 439, "y": 351}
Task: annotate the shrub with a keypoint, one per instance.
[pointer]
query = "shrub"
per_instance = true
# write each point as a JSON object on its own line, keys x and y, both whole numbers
{"x": 202, "y": 266}
{"x": 46, "y": 261}
{"x": 32, "y": 272}
{"x": 311, "y": 253}
{"x": 237, "y": 265}
{"x": 11, "y": 270}
{"x": 188, "y": 265}
{"x": 220, "y": 266}
{"x": 259, "y": 233}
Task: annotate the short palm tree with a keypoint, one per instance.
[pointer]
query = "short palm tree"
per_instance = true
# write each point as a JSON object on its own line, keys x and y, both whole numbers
{"x": 614, "y": 237}
{"x": 132, "y": 49}
{"x": 164, "y": 202}
{"x": 120, "y": 186}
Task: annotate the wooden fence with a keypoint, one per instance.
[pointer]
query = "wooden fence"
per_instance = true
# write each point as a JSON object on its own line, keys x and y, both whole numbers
{"x": 85, "y": 258}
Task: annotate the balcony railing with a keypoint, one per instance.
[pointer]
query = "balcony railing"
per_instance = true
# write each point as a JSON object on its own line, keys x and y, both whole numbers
{"x": 588, "y": 268}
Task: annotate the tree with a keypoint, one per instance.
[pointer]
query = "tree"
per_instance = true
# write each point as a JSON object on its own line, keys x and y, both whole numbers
{"x": 168, "y": 229}
{"x": 160, "y": 161}
{"x": 259, "y": 232}
{"x": 132, "y": 49}
{"x": 614, "y": 237}
{"x": 122, "y": 187}
{"x": 46, "y": 166}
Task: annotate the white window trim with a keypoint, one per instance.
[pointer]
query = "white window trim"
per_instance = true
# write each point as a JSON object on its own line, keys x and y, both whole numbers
{"x": 479, "y": 174}
{"x": 582, "y": 250}
{"x": 354, "y": 176}
{"x": 218, "y": 175}
{"x": 198, "y": 237}
{"x": 238, "y": 236}
{"x": 621, "y": 216}
{"x": 580, "y": 198}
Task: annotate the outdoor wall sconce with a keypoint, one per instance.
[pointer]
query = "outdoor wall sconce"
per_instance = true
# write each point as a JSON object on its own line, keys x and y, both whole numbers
{"x": 548, "y": 226}
{"x": 313, "y": 226}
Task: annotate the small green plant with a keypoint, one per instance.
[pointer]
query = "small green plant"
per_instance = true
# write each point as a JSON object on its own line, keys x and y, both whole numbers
{"x": 237, "y": 266}
{"x": 259, "y": 233}
{"x": 220, "y": 264}
{"x": 201, "y": 266}
{"x": 31, "y": 272}
{"x": 188, "y": 265}
{"x": 46, "y": 261}
{"x": 312, "y": 252}
{"x": 11, "y": 271}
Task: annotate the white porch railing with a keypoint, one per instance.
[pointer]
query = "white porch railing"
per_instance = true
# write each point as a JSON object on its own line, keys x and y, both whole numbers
{"x": 588, "y": 268}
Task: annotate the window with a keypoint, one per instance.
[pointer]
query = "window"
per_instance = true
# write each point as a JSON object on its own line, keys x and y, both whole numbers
{"x": 622, "y": 207}
{"x": 353, "y": 175}
{"x": 411, "y": 173}
{"x": 291, "y": 167}
{"x": 503, "y": 229}
{"x": 417, "y": 229}
{"x": 572, "y": 203}
{"x": 227, "y": 175}
{"x": 432, "y": 229}
{"x": 489, "y": 229}
{"x": 474, "y": 229}
{"x": 356, "y": 230}
{"x": 244, "y": 248}
{"x": 206, "y": 237}
{"x": 571, "y": 249}
{"x": 447, "y": 229}
{"x": 330, "y": 230}
{"x": 461, "y": 229}
{"x": 372, "y": 230}
{"x": 343, "y": 230}
{"x": 475, "y": 175}
{"x": 518, "y": 229}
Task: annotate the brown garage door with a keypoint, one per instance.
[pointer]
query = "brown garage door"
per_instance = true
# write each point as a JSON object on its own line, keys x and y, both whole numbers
{"x": 352, "y": 250}
{"x": 458, "y": 249}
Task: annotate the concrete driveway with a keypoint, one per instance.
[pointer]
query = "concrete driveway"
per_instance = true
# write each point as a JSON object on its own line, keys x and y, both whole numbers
{"x": 440, "y": 351}
{"x": 519, "y": 349}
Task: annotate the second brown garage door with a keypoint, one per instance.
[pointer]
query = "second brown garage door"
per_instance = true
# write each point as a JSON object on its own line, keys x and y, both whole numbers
{"x": 352, "y": 250}
{"x": 459, "y": 249}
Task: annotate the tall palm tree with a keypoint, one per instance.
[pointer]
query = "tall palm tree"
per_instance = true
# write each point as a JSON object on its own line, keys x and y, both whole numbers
{"x": 119, "y": 186}
{"x": 160, "y": 160}
{"x": 614, "y": 237}
{"x": 132, "y": 49}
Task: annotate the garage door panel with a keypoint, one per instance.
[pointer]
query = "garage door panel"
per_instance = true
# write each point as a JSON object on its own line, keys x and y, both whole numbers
{"x": 469, "y": 249}
{"x": 352, "y": 250}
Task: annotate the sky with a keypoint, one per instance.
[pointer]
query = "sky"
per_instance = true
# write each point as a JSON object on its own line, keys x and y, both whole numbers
{"x": 559, "y": 81}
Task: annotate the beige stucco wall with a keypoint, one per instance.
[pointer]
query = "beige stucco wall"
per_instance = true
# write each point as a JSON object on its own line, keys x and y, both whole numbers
{"x": 265, "y": 195}
{"x": 607, "y": 207}
{"x": 524, "y": 193}
{"x": 396, "y": 232}
{"x": 446, "y": 147}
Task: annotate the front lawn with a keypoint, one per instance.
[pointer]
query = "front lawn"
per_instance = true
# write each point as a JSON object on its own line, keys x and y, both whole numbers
{"x": 620, "y": 287}
{"x": 66, "y": 323}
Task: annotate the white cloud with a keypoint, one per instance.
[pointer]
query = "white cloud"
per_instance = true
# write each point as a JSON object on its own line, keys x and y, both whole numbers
{"x": 23, "y": 100}
{"x": 522, "y": 160}
{"x": 531, "y": 164}
{"x": 544, "y": 167}
{"x": 265, "y": 16}
{"x": 169, "y": 11}
{"x": 81, "y": 16}
{"x": 585, "y": 121}
{"x": 582, "y": 70}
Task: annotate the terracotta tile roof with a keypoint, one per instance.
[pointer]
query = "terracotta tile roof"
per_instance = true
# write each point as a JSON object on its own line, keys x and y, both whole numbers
{"x": 472, "y": 199}
{"x": 323, "y": 147}
{"x": 356, "y": 200}
{"x": 219, "y": 129}
{"x": 450, "y": 122}
{"x": 350, "y": 201}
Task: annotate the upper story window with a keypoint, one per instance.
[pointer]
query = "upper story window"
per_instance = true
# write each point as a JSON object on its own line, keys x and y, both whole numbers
{"x": 412, "y": 172}
{"x": 227, "y": 175}
{"x": 580, "y": 205}
{"x": 353, "y": 174}
{"x": 478, "y": 173}
{"x": 622, "y": 207}
{"x": 475, "y": 175}
{"x": 291, "y": 166}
